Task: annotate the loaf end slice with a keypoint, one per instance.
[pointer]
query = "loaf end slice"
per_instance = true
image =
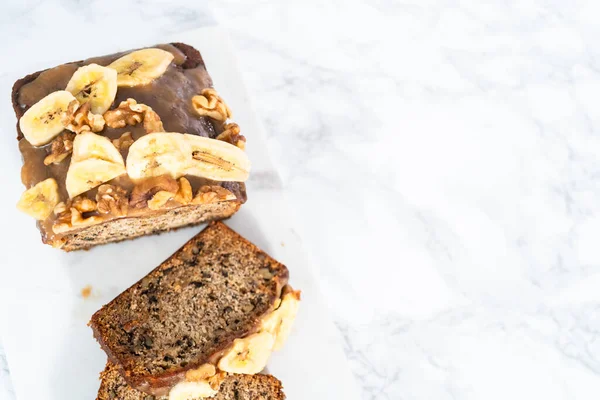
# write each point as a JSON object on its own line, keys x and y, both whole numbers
{"x": 234, "y": 387}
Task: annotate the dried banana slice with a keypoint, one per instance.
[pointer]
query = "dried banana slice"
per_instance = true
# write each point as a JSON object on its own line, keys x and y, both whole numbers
{"x": 95, "y": 160}
{"x": 248, "y": 355}
{"x": 39, "y": 201}
{"x": 94, "y": 84}
{"x": 191, "y": 390}
{"x": 89, "y": 145}
{"x": 157, "y": 154}
{"x": 179, "y": 154}
{"x": 141, "y": 67}
{"x": 42, "y": 122}
{"x": 280, "y": 321}
{"x": 217, "y": 160}
{"x": 87, "y": 174}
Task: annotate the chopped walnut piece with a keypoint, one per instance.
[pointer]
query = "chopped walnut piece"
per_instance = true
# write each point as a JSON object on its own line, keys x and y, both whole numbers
{"x": 212, "y": 194}
{"x": 80, "y": 119}
{"x": 123, "y": 142}
{"x": 78, "y": 221}
{"x": 61, "y": 147}
{"x": 63, "y": 218}
{"x": 146, "y": 190}
{"x": 58, "y": 243}
{"x": 209, "y": 104}
{"x": 204, "y": 371}
{"x": 61, "y": 227}
{"x": 130, "y": 112}
{"x": 160, "y": 199}
{"x": 152, "y": 122}
{"x": 83, "y": 204}
{"x": 112, "y": 200}
{"x": 69, "y": 214}
{"x": 231, "y": 134}
{"x": 123, "y": 115}
{"x": 73, "y": 219}
{"x": 216, "y": 381}
{"x": 60, "y": 208}
{"x": 184, "y": 194}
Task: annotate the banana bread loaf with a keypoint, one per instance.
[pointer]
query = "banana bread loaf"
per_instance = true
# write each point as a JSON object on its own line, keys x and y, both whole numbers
{"x": 233, "y": 387}
{"x": 219, "y": 304}
{"x": 126, "y": 145}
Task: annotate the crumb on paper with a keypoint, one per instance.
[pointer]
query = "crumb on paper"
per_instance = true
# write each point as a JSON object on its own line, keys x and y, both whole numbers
{"x": 86, "y": 291}
{"x": 282, "y": 244}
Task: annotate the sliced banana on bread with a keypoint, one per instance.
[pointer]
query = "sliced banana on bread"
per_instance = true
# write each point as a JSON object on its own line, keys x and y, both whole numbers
{"x": 95, "y": 160}
{"x": 141, "y": 67}
{"x": 218, "y": 306}
{"x": 94, "y": 84}
{"x": 179, "y": 154}
{"x": 158, "y": 154}
{"x": 42, "y": 121}
{"x": 39, "y": 200}
{"x": 216, "y": 159}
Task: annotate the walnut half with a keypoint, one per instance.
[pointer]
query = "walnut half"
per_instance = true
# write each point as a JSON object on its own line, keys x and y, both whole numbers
{"x": 124, "y": 141}
{"x": 80, "y": 119}
{"x": 148, "y": 188}
{"x": 78, "y": 221}
{"x": 83, "y": 204}
{"x": 212, "y": 194}
{"x": 159, "y": 200}
{"x": 231, "y": 134}
{"x": 209, "y": 104}
{"x": 129, "y": 112}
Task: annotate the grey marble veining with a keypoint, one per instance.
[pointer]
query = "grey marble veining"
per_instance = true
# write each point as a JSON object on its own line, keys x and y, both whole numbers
{"x": 441, "y": 159}
{"x": 6, "y": 390}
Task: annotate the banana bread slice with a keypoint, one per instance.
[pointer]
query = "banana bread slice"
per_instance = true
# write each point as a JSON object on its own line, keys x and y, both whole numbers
{"x": 234, "y": 387}
{"x": 94, "y": 198}
{"x": 219, "y": 300}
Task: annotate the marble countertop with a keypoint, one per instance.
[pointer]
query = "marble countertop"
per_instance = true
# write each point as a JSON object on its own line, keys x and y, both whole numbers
{"x": 441, "y": 160}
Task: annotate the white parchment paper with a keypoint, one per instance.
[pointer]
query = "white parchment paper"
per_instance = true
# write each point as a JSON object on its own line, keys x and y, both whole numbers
{"x": 43, "y": 316}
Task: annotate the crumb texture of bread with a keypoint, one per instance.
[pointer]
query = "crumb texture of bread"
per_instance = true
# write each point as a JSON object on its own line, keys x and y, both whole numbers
{"x": 216, "y": 288}
{"x": 130, "y": 228}
{"x": 235, "y": 387}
